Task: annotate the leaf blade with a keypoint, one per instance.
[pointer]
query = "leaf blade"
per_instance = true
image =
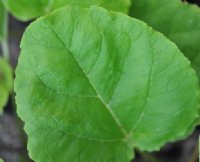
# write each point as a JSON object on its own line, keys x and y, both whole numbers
{"x": 120, "y": 75}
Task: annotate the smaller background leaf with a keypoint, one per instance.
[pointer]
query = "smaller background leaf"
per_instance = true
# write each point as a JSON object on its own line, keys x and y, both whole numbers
{"x": 179, "y": 21}
{"x": 6, "y": 82}
{"x": 29, "y": 9}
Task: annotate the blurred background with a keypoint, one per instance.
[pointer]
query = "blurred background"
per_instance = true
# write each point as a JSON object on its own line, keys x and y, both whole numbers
{"x": 13, "y": 139}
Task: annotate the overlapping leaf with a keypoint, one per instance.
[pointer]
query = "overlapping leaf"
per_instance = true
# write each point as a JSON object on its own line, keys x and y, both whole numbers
{"x": 92, "y": 85}
{"x": 29, "y": 9}
{"x": 179, "y": 21}
{"x": 6, "y": 82}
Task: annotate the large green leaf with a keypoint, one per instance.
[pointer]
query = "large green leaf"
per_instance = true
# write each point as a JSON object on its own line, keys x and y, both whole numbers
{"x": 1, "y": 160}
{"x": 29, "y": 9}
{"x": 6, "y": 82}
{"x": 92, "y": 84}
{"x": 3, "y": 22}
{"x": 179, "y": 21}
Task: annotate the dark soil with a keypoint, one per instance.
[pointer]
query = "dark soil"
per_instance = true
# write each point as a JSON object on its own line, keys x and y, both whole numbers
{"x": 194, "y": 1}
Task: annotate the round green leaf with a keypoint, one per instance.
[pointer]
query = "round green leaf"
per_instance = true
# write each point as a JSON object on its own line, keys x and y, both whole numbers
{"x": 6, "y": 82}
{"x": 177, "y": 20}
{"x": 92, "y": 85}
{"x": 29, "y": 9}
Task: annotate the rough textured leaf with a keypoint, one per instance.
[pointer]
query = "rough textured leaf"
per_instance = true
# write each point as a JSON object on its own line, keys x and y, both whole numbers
{"x": 92, "y": 84}
{"x": 29, "y": 9}
{"x": 3, "y": 21}
{"x": 179, "y": 21}
{"x": 6, "y": 82}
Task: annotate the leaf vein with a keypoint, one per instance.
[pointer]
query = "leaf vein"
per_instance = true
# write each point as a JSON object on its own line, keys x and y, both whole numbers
{"x": 121, "y": 127}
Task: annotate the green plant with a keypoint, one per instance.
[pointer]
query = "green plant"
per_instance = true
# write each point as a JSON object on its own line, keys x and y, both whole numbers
{"x": 105, "y": 94}
{"x": 92, "y": 85}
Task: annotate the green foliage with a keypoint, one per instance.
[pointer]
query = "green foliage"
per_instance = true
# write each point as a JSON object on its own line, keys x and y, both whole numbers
{"x": 1, "y": 160}
{"x": 3, "y": 22}
{"x": 177, "y": 20}
{"x": 92, "y": 85}
{"x": 29, "y": 9}
{"x": 6, "y": 82}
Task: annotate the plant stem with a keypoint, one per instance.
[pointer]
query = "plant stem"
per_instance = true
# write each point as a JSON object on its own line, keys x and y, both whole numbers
{"x": 4, "y": 43}
{"x": 148, "y": 157}
{"x": 5, "y": 49}
{"x": 195, "y": 154}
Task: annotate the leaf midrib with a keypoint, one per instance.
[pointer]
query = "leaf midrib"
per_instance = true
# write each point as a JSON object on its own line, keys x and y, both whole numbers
{"x": 117, "y": 121}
